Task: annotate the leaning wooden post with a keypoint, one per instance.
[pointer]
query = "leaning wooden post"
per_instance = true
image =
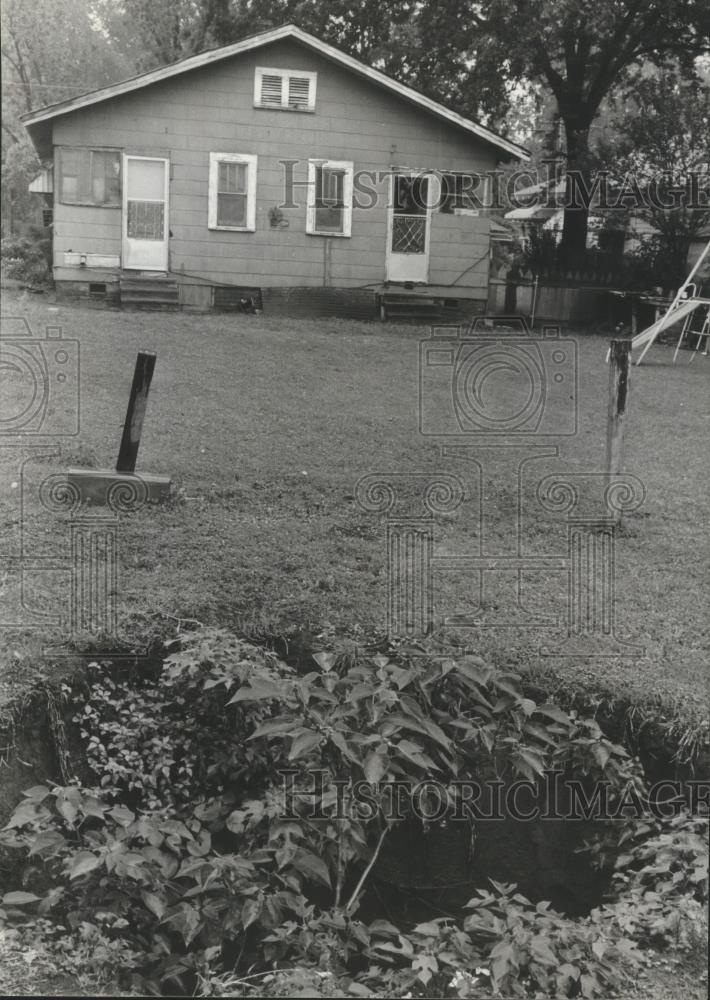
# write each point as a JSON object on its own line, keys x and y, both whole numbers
{"x": 619, "y": 357}
{"x": 123, "y": 489}
{"x": 137, "y": 402}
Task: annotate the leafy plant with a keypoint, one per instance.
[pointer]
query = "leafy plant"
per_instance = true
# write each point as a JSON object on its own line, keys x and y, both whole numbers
{"x": 163, "y": 743}
{"x": 27, "y": 258}
{"x": 662, "y": 881}
{"x": 208, "y": 861}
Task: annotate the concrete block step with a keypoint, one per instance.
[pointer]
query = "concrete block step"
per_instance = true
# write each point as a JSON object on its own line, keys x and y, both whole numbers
{"x": 148, "y": 286}
{"x": 155, "y": 302}
{"x": 421, "y": 317}
{"x": 417, "y": 307}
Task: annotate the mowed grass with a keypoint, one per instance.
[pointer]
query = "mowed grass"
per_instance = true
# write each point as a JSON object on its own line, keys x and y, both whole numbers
{"x": 266, "y": 425}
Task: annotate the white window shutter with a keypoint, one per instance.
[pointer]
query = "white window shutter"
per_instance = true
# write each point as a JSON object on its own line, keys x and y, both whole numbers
{"x": 311, "y": 196}
{"x": 348, "y": 199}
{"x": 251, "y": 193}
{"x": 212, "y": 197}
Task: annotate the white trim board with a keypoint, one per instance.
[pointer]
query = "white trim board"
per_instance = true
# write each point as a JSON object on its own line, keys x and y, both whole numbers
{"x": 288, "y": 31}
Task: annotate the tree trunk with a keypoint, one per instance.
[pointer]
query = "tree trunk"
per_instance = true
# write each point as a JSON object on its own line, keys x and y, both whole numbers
{"x": 576, "y": 214}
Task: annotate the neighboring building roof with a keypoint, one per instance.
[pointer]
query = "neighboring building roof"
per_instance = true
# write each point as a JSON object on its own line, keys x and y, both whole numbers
{"x": 37, "y": 125}
{"x": 553, "y": 189}
{"x": 531, "y": 212}
{"x": 501, "y": 232}
{"x": 43, "y": 183}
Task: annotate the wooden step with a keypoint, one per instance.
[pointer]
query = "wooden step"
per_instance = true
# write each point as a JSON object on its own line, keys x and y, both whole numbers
{"x": 154, "y": 291}
{"x": 147, "y": 286}
{"x": 398, "y": 306}
{"x": 149, "y": 293}
{"x": 151, "y": 297}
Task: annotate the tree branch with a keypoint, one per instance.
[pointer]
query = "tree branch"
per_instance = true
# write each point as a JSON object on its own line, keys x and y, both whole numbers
{"x": 608, "y": 67}
{"x": 358, "y": 888}
{"x": 9, "y": 131}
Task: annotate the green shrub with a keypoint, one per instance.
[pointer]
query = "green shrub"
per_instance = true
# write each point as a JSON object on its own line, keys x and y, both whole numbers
{"x": 27, "y": 258}
{"x": 212, "y": 874}
{"x": 662, "y": 880}
{"x": 164, "y": 743}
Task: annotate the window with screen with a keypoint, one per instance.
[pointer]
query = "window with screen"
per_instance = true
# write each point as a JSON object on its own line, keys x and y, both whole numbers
{"x": 89, "y": 176}
{"x": 330, "y": 198}
{"x": 462, "y": 191}
{"x": 232, "y": 191}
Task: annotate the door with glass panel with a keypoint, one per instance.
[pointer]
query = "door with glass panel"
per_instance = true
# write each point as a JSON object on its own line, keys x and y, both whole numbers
{"x": 145, "y": 213}
{"x": 409, "y": 212}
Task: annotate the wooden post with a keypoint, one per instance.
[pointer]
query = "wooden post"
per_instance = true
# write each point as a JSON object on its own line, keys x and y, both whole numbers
{"x": 619, "y": 357}
{"x": 130, "y": 442}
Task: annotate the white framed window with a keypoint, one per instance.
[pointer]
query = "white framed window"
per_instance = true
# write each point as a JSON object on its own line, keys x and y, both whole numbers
{"x": 330, "y": 198}
{"x": 232, "y": 192}
{"x": 285, "y": 89}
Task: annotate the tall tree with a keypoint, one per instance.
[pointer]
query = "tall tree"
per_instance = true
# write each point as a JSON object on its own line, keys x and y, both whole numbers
{"x": 661, "y": 140}
{"x": 51, "y": 50}
{"x": 581, "y": 50}
{"x": 379, "y": 32}
{"x": 151, "y": 33}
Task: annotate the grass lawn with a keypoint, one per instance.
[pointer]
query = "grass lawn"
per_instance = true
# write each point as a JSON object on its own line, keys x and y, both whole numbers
{"x": 267, "y": 424}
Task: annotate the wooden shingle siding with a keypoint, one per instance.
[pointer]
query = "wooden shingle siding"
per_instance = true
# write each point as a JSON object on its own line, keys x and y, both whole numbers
{"x": 211, "y": 110}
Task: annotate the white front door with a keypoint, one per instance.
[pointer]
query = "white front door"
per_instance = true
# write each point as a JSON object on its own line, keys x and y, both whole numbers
{"x": 408, "y": 227}
{"x": 145, "y": 213}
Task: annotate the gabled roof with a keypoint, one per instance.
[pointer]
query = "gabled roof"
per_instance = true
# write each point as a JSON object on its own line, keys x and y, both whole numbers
{"x": 36, "y": 122}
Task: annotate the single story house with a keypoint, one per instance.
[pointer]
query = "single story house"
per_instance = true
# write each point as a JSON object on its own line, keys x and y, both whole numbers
{"x": 277, "y": 167}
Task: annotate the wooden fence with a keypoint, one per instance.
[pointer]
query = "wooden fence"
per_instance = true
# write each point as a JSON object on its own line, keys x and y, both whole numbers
{"x": 558, "y": 303}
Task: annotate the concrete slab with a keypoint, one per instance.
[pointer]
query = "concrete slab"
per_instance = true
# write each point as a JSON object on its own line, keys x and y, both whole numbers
{"x": 123, "y": 492}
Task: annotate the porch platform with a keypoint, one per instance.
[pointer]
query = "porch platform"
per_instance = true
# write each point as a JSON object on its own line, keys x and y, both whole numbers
{"x": 429, "y": 302}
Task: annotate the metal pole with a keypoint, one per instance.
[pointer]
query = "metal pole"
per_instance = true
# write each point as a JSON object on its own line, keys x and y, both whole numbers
{"x": 676, "y": 300}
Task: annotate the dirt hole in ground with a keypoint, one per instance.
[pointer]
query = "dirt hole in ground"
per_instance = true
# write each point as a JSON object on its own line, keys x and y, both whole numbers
{"x": 425, "y": 869}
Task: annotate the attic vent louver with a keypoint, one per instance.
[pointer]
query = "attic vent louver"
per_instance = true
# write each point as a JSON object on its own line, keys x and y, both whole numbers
{"x": 299, "y": 88}
{"x": 286, "y": 89}
{"x": 271, "y": 90}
